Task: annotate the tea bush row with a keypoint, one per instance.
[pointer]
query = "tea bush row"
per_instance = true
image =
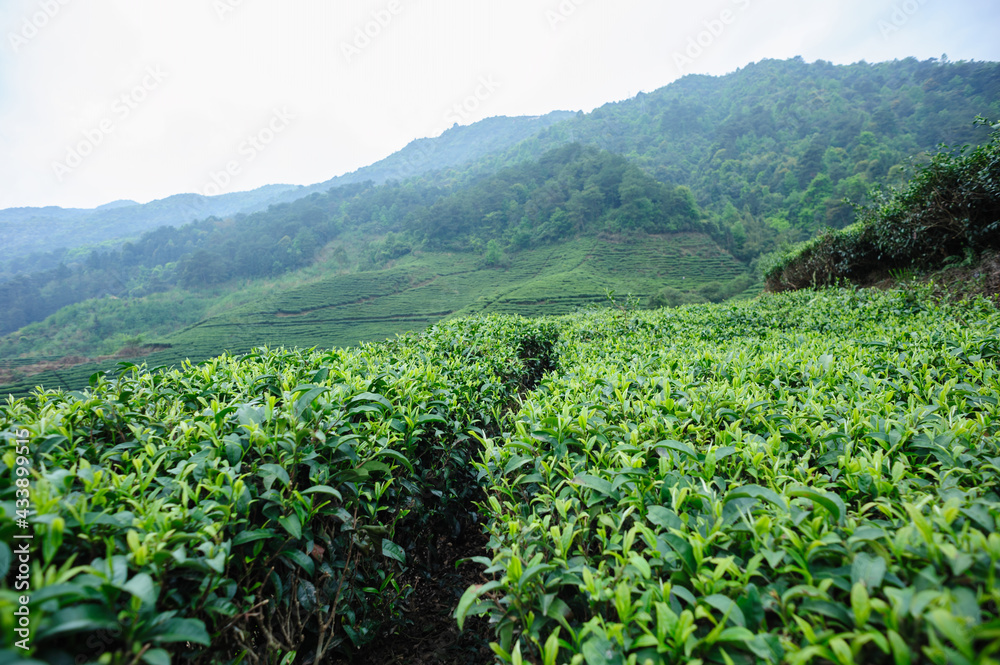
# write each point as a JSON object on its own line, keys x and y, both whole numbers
{"x": 805, "y": 478}
{"x": 251, "y": 508}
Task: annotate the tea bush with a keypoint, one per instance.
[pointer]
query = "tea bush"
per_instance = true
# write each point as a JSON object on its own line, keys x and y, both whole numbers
{"x": 951, "y": 207}
{"x": 255, "y": 508}
{"x": 807, "y": 478}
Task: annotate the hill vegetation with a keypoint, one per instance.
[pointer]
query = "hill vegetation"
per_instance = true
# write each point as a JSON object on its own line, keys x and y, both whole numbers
{"x": 768, "y": 154}
{"x": 947, "y": 214}
{"x": 808, "y": 477}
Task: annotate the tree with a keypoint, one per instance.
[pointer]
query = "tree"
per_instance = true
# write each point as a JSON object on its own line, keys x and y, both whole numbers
{"x": 494, "y": 256}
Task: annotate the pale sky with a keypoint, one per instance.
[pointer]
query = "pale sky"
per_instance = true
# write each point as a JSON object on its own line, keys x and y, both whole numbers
{"x": 139, "y": 99}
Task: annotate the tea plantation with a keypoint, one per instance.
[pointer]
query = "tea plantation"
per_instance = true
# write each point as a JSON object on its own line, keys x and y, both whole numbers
{"x": 415, "y": 292}
{"x": 808, "y": 477}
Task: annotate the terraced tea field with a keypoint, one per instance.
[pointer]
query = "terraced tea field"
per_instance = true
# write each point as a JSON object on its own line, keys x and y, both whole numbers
{"x": 421, "y": 289}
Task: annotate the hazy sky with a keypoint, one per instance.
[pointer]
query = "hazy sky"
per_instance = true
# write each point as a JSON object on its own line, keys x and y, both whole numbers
{"x": 140, "y": 99}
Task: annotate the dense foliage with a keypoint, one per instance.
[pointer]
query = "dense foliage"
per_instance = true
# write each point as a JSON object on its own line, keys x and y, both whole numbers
{"x": 948, "y": 211}
{"x": 807, "y": 478}
{"x": 570, "y": 190}
{"x": 250, "y": 507}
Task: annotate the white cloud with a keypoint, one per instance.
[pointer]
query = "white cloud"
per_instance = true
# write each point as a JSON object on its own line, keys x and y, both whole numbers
{"x": 226, "y": 74}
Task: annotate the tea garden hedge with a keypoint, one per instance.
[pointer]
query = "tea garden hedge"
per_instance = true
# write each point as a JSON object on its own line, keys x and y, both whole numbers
{"x": 809, "y": 477}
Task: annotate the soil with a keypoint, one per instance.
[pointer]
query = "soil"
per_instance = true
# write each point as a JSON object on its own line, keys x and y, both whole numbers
{"x": 431, "y": 635}
{"x": 12, "y": 374}
{"x": 955, "y": 282}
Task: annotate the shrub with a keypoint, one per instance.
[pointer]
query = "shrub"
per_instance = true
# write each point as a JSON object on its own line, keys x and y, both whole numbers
{"x": 256, "y": 508}
{"x": 951, "y": 206}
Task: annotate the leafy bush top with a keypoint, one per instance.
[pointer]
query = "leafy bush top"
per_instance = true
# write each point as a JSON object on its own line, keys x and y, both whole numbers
{"x": 950, "y": 207}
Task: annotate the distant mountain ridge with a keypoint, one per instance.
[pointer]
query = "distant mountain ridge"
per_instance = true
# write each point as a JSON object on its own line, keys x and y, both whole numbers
{"x": 119, "y": 220}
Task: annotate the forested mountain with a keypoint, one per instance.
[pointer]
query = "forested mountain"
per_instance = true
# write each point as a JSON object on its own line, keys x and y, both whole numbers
{"x": 773, "y": 149}
{"x": 760, "y": 157}
{"x": 26, "y": 250}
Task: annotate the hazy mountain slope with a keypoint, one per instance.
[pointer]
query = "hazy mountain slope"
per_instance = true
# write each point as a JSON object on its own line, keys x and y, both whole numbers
{"x": 27, "y": 231}
{"x": 70, "y": 228}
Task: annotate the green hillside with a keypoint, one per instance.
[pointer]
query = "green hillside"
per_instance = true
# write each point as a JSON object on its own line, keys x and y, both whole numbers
{"x": 754, "y": 159}
{"x": 420, "y": 289}
{"x": 810, "y": 477}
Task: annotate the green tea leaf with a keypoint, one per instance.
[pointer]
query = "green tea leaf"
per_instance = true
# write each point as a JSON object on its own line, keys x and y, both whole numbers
{"x": 244, "y": 537}
{"x": 300, "y": 559}
{"x": 324, "y": 489}
{"x": 393, "y": 551}
{"x": 181, "y": 630}
{"x": 594, "y": 483}
{"x": 869, "y": 570}
{"x": 81, "y": 618}
{"x": 471, "y": 595}
{"x": 664, "y": 517}
{"x": 830, "y": 501}
{"x": 272, "y": 472}
{"x": 755, "y": 492}
{"x": 142, "y": 587}
{"x": 728, "y": 608}
{"x": 156, "y": 657}
{"x": 677, "y": 446}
